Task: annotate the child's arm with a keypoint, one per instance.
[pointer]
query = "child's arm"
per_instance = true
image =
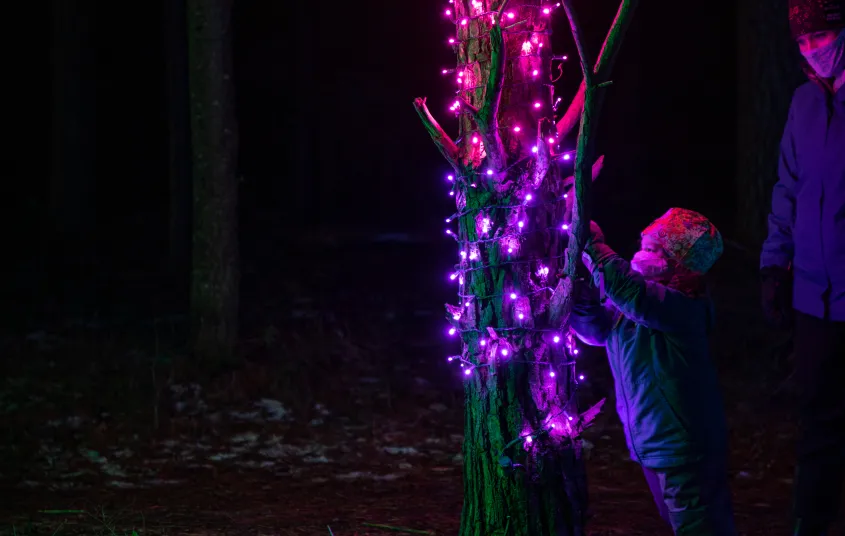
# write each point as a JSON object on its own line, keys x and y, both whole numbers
{"x": 590, "y": 320}
{"x": 645, "y": 302}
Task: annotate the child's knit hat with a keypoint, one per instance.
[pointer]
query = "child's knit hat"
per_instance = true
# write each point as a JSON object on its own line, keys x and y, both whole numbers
{"x": 688, "y": 238}
{"x": 808, "y": 16}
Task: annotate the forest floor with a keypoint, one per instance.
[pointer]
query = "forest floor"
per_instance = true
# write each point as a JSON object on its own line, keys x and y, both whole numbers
{"x": 343, "y": 419}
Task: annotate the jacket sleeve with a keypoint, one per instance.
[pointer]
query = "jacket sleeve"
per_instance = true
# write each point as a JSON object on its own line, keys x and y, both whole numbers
{"x": 779, "y": 246}
{"x": 645, "y": 302}
{"x": 590, "y": 319}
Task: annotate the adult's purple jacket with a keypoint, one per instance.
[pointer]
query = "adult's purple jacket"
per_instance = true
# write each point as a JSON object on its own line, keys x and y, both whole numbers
{"x": 807, "y": 222}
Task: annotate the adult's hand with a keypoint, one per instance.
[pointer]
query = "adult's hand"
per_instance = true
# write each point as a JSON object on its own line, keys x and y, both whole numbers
{"x": 776, "y": 296}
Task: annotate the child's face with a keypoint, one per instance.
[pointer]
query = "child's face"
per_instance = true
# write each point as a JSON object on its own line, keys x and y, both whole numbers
{"x": 652, "y": 246}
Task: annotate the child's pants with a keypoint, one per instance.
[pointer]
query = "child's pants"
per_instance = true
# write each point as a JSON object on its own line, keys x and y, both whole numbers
{"x": 694, "y": 500}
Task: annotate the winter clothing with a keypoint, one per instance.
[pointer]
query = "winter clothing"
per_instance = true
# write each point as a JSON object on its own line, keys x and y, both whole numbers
{"x": 820, "y": 375}
{"x": 807, "y": 221}
{"x": 808, "y": 16}
{"x": 667, "y": 392}
{"x": 688, "y": 238}
{"x": 828, "y": 61}
{"x": 694, "y": 500}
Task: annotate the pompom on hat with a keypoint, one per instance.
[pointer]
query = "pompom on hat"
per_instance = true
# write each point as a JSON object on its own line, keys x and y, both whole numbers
{"x": 808, "y": 16}
{"x": 688, "y": 238}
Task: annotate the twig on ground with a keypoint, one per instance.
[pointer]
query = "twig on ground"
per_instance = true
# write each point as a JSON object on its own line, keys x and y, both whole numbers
{"x": 330, "y": 530}
{"x": 397, "y": 529}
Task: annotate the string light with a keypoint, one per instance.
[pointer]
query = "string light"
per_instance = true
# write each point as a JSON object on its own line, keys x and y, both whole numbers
{"x": 491, "y": 237}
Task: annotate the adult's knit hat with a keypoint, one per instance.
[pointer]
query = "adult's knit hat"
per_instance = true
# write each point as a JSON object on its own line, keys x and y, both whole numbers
{"x": 688, "y": 238}
{"x": 808, "y": 16}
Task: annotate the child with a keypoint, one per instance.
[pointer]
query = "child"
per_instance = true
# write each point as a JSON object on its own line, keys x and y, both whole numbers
{"x": 654, "y": 324}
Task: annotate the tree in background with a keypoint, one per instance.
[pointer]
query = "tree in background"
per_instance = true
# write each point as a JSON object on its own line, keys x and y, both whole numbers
{"x": 520, "y": 233}
{"x": 215, "y": 277}
{"x": 768, "y": 73}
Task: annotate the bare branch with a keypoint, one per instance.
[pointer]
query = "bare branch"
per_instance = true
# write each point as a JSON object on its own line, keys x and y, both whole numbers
{"x": 604, "y": 64}
{"x": 586, "y": 64}
{"x": 597, "y": 165}
{"x": 573, "y": 113}
{"x": 586, "y": 135}
{"x": 444, "y": 143}
{"x": 488, "y": 114}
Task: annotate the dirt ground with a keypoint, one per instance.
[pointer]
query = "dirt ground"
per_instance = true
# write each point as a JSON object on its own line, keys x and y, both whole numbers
{"x": 344, "y": 418}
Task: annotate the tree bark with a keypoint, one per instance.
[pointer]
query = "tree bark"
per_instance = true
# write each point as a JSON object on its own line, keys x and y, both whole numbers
{"x": 523, "y": 471}
{"x": 179, "y": 141}
{"x": 768, "y": 72}
{"x": 71, "y": 232}
{"x": 215, "y": 273}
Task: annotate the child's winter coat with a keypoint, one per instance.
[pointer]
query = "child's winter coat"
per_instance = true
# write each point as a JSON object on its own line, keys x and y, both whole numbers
{"x": 667, "y": 391}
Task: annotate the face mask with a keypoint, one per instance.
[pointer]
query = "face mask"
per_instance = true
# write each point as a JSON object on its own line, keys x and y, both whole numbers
{"x": 650, "y": 265}
{"x": 828, "y": 61}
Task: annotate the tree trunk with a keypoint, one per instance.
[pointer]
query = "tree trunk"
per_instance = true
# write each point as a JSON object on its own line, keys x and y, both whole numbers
{"x": 523, "y": 471}
{"x": 768, "y": 72}
{"x": 71, "y": 232}
{"x": 179, "y": 143}
{"x": 215, "y": 273}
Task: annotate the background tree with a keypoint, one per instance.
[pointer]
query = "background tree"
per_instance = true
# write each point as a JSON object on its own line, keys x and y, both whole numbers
{"x": 767, "y": 74}
{"x": 215, "y": 273}
{"x": 70, "y": 245}
{"x": 179, "y": 144}
{"x": 523, "y": 470}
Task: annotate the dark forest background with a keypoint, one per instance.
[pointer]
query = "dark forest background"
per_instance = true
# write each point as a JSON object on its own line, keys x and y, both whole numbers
{"x": 329, "y": 142}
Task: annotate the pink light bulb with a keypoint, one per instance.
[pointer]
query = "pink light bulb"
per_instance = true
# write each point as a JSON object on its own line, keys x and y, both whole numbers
{"x": 537, "y": 105}
{"x": 460, "y": 80}
{"x": 565, "y": 58}
{"x": 551, "y": 140}
{"x": 451, "y": 42}
{"x": 535, "y": 72}
{"x": 449, "y": 12}
{"x": 510, "y": 14}
{"x": 516, "y": 129}
{"x": 464, "y": 22}
{"x": 534, "y": 149}
{"x": 460, "y": 73}
{"x": 546, "y": 11}
{"x": 475, "y": 139}
{"x": 569, "y": 417}
{"x": 445, "y": 71}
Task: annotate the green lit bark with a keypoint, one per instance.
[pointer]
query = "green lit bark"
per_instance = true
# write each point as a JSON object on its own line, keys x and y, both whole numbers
{"x": 215, "y": 273}
{"x": 512, "y": 487}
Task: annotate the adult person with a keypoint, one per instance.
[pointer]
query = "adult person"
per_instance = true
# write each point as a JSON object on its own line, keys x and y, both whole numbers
{"x": 803, "y": 259}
